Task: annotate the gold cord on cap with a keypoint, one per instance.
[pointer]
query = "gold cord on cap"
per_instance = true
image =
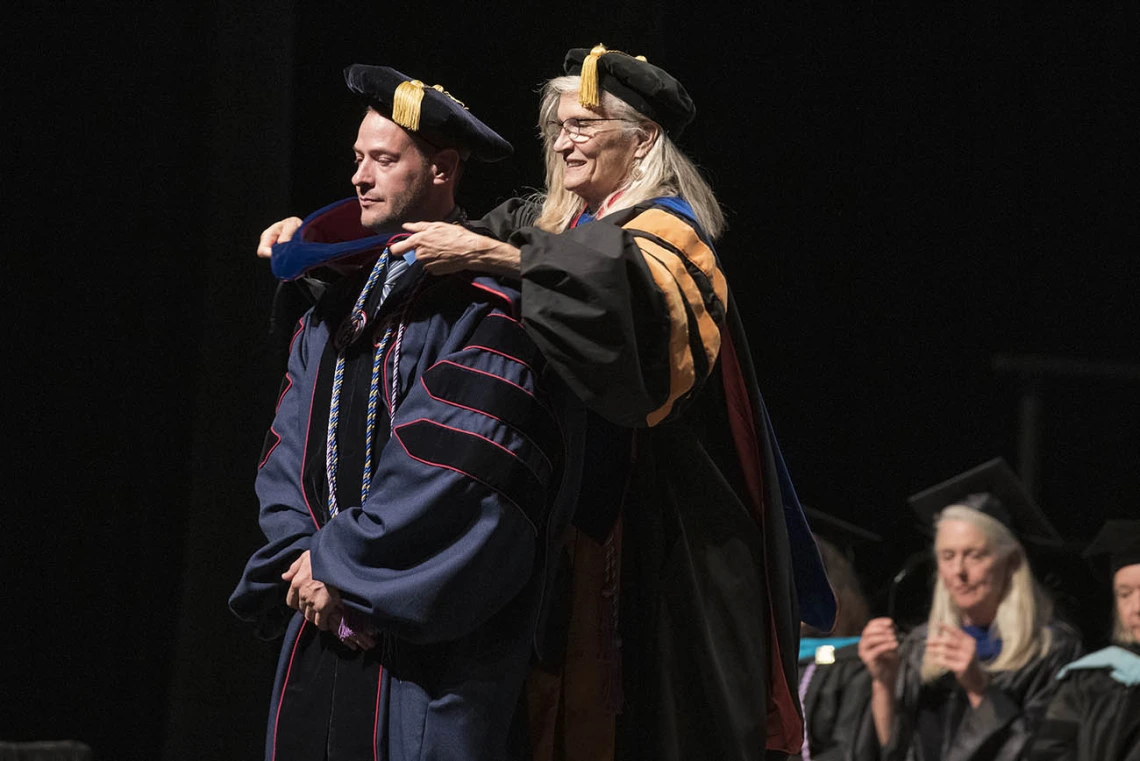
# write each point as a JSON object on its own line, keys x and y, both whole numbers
{"x": 439, "y": 88}
{"x": 406, "y": 104}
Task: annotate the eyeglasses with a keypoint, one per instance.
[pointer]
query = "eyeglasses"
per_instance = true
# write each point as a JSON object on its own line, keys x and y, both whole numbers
{"x": 578, "y": 130}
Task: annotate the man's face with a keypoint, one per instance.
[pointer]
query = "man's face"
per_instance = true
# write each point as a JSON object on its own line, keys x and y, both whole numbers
{"x": 392, "y": 177}
{"x": 1126, "y": 588}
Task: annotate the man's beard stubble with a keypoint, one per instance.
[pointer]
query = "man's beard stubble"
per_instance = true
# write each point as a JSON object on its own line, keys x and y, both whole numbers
{"x": 406, "y": 206}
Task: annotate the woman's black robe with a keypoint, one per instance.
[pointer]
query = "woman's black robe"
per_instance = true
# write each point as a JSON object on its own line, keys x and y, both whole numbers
{"x": 935, "y": 722}
{"x": 718, "y": 564}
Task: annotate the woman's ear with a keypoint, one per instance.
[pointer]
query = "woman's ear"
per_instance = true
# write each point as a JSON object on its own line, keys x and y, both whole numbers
{"x": 647, "y": 136}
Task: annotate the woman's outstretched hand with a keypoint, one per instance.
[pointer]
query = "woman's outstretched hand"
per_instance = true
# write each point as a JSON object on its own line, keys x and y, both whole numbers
{"x": 445, "y": 248}
{"x": 278, "y": 232}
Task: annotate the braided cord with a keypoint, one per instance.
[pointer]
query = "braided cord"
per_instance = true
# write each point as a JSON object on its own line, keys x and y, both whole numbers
{"x": 358, "y": 317}
{"x": 373, "y": 398}
{"x": 397, "y": 352}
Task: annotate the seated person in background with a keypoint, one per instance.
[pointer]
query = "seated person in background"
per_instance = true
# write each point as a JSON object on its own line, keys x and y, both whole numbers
{"x": 973, "y": 682}
{"x": 1095, "y": 715}
{"x": 835, "y": 687}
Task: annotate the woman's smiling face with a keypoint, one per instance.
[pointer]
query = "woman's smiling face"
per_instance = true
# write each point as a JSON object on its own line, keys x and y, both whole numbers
{"x": 596, "y": 167}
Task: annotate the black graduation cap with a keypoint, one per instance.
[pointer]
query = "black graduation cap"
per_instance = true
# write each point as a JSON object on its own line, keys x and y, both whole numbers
{"x": 652, "y": 91}
{"x": 991, "y": 488}
{"x": 838, "y": 531}
{"x": 1120, "y": 541}
{"x": 431, "y": 112}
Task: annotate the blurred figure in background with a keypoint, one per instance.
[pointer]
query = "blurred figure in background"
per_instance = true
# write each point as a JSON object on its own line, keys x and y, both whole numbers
{"x": 1095, "y": 715}
{"x": 834, "y": 686}
{"x": 972, "y": 683}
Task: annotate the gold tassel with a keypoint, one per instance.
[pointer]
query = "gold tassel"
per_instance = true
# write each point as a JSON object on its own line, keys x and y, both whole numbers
{"x": 588, "y": 89}
{"x": 406, "y": 104}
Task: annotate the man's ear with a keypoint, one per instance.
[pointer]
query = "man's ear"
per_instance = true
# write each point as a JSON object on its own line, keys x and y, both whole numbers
{"x": 445, "y": 166}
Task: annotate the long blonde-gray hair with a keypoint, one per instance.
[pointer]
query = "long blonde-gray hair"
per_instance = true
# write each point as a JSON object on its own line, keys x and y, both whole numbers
{"x": 1024, "y": 611}
{"x": 664, "y": 171}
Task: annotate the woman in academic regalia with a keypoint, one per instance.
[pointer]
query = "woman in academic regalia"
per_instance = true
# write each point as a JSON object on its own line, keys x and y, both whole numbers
{"x": 972, "y": 683}
{"x": 1095, "y": 715}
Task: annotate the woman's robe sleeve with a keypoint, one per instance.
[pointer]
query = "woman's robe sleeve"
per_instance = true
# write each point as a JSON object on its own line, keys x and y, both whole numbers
{"x": 628, "y": 309}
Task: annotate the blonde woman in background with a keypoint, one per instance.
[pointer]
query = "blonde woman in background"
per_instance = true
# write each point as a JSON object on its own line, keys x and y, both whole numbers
{"x": 973, "y": 682}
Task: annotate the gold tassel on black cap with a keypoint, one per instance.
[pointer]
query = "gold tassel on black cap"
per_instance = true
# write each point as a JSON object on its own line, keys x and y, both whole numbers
{"x": 588, "y": 94}
{"x": 406, "y": 104}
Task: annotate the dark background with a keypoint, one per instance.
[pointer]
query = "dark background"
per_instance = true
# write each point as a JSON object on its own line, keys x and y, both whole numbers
{"x": 911, "y": 191}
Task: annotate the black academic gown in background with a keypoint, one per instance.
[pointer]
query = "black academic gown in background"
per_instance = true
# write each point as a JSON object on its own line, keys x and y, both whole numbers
{"x": 718, "y": 566}
{"x": 935, "y": 722}
{"x": 836, "y": 702}
{"x": 1093, "y": 717}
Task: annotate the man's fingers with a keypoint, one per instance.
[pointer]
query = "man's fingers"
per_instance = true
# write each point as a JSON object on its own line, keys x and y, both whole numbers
{"x": 288, "y": 575}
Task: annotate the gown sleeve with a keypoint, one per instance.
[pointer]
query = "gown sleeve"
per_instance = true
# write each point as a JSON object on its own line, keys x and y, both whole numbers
{"x": 450, "y": 535}
{"x": 628, "y": 311}
{"x": 286, "y": 518}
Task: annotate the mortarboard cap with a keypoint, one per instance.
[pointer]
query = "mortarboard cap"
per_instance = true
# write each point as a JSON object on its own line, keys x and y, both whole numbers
{"x": 1120, "y": 541}
{"x": 838, "y": 531}
{"x": 652, "y": 91}
{"x": 991, "y": 488}
{"x": 430, "y": 112}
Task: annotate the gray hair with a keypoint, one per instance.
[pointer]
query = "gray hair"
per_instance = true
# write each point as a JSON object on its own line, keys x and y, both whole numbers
{"x": 1024, "y": 610}
{"x": 664, "y": 171}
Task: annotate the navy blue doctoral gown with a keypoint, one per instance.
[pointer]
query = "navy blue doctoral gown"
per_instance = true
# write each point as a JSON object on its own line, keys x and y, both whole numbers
{"x": 449, "y": 556}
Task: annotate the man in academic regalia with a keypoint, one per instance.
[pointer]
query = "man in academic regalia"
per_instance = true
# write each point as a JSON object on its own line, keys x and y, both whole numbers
{"x": 1095, "y": 715}
{"x": 420, "y": 467}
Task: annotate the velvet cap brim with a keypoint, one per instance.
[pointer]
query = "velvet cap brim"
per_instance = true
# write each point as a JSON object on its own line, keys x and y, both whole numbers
{"x": 444, "y": 121}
